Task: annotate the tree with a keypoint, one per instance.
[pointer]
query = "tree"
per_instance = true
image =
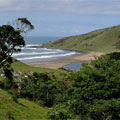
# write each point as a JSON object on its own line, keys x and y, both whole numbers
{"x": 22, "y": 24}
{"x": 11, "y": 40}
{"x": 40, "y": 87}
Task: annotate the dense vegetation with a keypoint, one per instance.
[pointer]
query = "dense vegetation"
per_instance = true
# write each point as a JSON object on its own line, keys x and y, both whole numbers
{"x": 104, "y": 40}
{"x": 27, "y": 87}
{"x": 94, "y": 91}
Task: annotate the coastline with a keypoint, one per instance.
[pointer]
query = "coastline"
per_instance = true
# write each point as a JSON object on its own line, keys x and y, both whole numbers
{"x": 59, "y": 63}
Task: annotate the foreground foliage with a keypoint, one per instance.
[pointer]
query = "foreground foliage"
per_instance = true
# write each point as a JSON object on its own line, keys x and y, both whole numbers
{"x": 44, "y": 87}
{"x": 94, "y": 91}
{"x": 40, "y": 87}
{"x": 91, "y": 93}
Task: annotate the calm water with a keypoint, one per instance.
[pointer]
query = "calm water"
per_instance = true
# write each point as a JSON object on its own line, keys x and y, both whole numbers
{"x": 37, "y": 40}
{"x": 75, "y": 66}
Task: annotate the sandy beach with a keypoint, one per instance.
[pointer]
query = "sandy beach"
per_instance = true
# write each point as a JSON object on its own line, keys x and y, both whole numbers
{"x": 55, "y": 64}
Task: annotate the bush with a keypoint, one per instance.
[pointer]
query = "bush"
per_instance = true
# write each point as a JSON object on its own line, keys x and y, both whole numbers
{"x": 58, "y": 114}
{"x": 40, "y": 87}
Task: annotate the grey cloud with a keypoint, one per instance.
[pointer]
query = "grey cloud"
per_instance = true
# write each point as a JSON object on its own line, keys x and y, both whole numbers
{"x": 103, "y": 7}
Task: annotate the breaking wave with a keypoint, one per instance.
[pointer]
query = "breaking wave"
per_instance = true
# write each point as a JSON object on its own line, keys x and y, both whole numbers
{"x": 49, "y": 56}
{"x": 33, "y": 53}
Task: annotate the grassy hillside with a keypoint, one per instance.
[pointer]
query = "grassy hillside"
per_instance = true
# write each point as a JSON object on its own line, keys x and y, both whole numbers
{"x": 104, "y": 40}
{"x": 19, "y": 66}
{"x": 24, "y": 109}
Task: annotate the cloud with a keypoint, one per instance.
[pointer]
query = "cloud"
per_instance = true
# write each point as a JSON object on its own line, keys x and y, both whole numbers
{"x": 5, "y": 3}
{"x": 101, "y": 7}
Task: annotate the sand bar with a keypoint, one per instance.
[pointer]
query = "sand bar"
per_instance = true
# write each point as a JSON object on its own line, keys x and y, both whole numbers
{"x": 55, "y": 64}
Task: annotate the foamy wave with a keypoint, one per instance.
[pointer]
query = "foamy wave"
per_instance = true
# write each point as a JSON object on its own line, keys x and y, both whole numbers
{"x": 46, "y": 49}
{"x": 33, "y": 53}
{"x": 29, "y": 48}
{"x": 30, "y": 45}
{"x": 58, "y": 50}
{"x": 52, "y": 56}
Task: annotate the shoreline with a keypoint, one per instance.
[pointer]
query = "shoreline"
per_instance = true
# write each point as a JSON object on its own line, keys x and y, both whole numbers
{"x": 59, "y": 63}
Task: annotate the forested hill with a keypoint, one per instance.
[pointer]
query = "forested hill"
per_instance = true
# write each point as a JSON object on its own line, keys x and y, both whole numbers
{"x": 104, "y": 40}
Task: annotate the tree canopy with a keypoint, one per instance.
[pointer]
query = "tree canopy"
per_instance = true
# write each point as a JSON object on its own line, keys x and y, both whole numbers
{"x": 11, "y": 41}
{"x": 94, "y": 92}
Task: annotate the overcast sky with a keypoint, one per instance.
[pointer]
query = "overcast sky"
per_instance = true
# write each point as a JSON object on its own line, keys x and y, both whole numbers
{"x": 62, "y": 17}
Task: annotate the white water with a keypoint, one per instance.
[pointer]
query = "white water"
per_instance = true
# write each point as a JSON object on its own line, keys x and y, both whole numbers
{"x": 30, "y": 53}
{"x": 50, "y": 56}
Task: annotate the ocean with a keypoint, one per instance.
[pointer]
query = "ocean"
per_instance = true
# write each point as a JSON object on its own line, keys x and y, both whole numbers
{"x": 30, "y": 53}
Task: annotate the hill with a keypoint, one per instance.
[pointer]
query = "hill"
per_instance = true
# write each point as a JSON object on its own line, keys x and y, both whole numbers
{"x": 23, "y": 109}
{"x": 104, "y": 40}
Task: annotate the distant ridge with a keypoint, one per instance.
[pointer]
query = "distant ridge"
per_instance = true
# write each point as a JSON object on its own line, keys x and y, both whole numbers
{"x": 103, "y": 40}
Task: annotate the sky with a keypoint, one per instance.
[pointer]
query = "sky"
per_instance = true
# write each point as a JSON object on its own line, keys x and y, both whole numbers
{"x": 62, "y": 17}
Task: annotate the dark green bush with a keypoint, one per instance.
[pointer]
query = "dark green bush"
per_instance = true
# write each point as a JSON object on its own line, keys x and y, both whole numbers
{"x": 95, "y": 90}
{"x": 40, "y": 87}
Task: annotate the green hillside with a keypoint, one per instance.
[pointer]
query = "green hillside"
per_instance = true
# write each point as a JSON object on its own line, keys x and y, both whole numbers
{"x": 22, "y": 67}
{"x": 104, "y": 40}
{"x": 24, "y": 109}
{"x": 17, "y": 65}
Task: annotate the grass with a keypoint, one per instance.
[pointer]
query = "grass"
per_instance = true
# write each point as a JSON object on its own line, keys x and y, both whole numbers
{"x": 103, "y": 40}
{"x": 23, "y": 110}
{"x": 58, "y": 73}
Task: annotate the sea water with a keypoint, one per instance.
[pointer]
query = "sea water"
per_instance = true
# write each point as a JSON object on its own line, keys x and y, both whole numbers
{"x": 31, "y": 53}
